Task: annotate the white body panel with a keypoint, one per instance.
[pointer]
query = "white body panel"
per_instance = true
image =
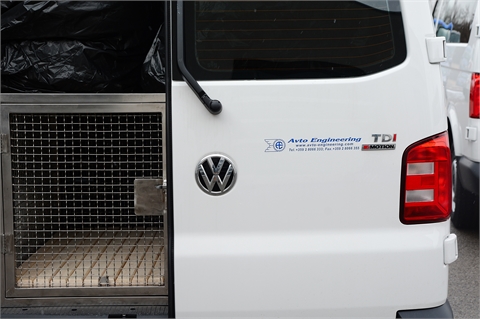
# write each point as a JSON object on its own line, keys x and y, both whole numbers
{"x": 308, "y": 233}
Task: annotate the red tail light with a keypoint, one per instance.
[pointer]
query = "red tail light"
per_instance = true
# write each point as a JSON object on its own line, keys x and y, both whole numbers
{"x": 475, "y": 96}
{"x": 426, "y": 181}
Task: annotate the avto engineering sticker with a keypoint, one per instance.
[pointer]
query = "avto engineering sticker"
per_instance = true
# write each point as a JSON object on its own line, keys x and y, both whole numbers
{"x": 275, "y": 145}
{"x": 314, "y": 144}
{"x": 330, "y": 144}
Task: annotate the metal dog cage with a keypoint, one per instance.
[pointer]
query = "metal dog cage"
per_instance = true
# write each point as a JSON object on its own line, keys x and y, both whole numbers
{"x": 83, "y": 196}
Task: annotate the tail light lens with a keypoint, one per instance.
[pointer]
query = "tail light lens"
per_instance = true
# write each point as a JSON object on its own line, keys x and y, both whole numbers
{"x": 426, "y": 181}
{"x": 475, "y": 96}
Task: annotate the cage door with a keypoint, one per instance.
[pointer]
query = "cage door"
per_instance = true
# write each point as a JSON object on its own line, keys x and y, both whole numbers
{"x": 69, "y": 179}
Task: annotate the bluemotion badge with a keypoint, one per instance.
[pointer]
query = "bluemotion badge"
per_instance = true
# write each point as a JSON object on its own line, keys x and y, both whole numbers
{"x": 381, "y": 142}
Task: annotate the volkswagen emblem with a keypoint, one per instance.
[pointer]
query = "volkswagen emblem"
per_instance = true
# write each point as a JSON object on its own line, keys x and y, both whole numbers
{"x": 215, "y": 174}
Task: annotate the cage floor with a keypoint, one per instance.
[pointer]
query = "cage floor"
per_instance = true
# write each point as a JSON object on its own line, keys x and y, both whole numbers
{"x": 96, "y": 259}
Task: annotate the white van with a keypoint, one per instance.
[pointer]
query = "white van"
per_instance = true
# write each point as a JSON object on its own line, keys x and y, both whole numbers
{"x": 294, "y": 162}
{"x": 459, "y": 22}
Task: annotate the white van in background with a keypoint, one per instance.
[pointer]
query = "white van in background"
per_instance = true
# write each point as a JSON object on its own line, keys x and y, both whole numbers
{"x": 459, "y": 23}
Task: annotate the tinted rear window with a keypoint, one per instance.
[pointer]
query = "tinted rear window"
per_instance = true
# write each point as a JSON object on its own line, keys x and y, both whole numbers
{"x": 292, "y": 39}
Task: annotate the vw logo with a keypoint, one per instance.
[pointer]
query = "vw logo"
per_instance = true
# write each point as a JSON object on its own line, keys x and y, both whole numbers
{"x": 215, "y": 174}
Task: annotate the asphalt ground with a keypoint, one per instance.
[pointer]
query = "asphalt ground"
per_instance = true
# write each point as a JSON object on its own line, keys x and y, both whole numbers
{"x": 464, "y": 289}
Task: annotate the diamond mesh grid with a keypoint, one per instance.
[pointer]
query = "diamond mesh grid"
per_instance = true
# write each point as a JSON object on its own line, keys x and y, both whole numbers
{"x": 73, "y": 199}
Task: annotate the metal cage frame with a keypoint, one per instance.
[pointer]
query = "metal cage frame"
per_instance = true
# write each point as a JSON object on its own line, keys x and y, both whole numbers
{"x": 75, "y": 104}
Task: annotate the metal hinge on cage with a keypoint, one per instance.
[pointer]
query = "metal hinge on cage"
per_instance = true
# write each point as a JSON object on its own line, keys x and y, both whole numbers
{"x": 6, "y": 244}
{"x": 3, "y": 143}
{"x": 150, "y": 196}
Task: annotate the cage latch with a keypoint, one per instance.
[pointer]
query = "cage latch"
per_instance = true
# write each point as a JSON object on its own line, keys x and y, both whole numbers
{"x": 150, "y": 196}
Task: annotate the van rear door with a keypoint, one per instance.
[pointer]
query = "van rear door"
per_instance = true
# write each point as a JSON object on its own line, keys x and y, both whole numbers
{"x": 286, "y": 203}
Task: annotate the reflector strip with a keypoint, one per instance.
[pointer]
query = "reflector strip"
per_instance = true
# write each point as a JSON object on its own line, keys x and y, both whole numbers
{"x": 420, "y": 196}
{"x": 420, "y": 168}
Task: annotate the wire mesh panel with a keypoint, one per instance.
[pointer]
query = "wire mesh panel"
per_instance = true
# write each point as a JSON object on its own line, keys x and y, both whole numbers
{"x": 73, "y": 200}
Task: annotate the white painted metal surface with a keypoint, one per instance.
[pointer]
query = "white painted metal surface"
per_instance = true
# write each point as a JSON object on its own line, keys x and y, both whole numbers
{"x": 304, "y": 232}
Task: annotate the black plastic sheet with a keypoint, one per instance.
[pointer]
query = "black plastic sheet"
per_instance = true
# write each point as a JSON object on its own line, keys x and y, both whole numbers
{"x": 82, "y": 46}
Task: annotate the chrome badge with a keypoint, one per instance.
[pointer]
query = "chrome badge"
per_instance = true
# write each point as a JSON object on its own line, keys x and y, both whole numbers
{"x": 215, "y": 174}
